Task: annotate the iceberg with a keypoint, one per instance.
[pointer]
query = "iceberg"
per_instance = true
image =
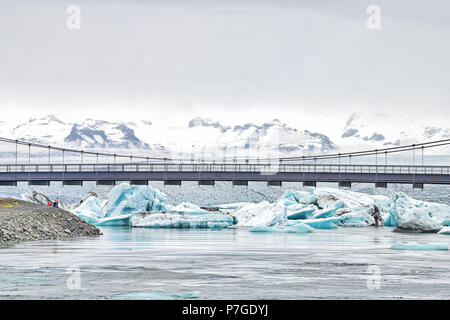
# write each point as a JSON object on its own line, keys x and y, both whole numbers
{"x": 122, "y": 220}
{"x": 143, "y": 206}
{"x": 445, "y": 222}
{"x": 295, "y": 212}
{"x": 90, "y": 210}
{"x": 419, "y": 246}
{"x": 262, "y": 213}
{"x": 126, "y": 199}
{"x": 404, "y": 209}
{"x": 324, "y": 223}
{"x": 297, "y": 228}
{"x": 181, "y": 220}
{"x": 445, "y": 230}
{"x": 325, "y": 213}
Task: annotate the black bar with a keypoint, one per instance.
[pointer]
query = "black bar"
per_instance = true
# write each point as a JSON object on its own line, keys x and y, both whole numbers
{"x": 106, "y": 182}
{"x": 72, "y": 182}
{"x": 8, "y": 183}
{"x": 240, "y": 183}
{"x": 309, "y": 183}
{"x": 39, "y": 183}
{"x": 381, "y": 185}
{"x": 205, "y": 182}
{"x": 172, "y": 182}
{"x": 139, "y": 182}
{"x": 418, "y": 185}
{"x": 345, "y": 184}
{"x": 276, "y": 183}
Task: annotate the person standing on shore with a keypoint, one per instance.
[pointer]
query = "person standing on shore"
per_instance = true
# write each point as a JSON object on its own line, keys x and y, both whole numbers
{"x": 55, "y": 203}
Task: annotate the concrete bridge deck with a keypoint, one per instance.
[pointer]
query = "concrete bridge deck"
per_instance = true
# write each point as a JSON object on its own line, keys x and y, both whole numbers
{"x": 239, "y": 173}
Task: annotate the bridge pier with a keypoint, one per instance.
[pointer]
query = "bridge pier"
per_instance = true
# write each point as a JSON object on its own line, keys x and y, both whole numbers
{"x": 139, "y": 182}
{"x": 206, "y": 182}
{"x": 172, "y": 182}
{"x": 39, "y": 183}
{"x": 72, "y": 182}
{"x": 240, "y": 183}
{"x": 381, "y": 185}
{"x": 8, "y": 183}
{"x": 106, "y": 182}
{"x": 309, "y": 184}
{"x": 345, "y": 184}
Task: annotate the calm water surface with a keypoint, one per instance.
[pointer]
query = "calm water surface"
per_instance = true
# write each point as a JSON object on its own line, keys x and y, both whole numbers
{"x": 226, "y": 264}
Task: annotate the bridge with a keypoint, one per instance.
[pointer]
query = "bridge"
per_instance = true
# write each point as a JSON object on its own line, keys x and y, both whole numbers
{"x": 139, "y": 170}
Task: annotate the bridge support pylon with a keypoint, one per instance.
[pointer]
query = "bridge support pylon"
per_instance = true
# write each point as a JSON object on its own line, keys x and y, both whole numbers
{"x": 309, "y": 184}
{"x": 381, "y": 185}
{"x": 345, "y": 184}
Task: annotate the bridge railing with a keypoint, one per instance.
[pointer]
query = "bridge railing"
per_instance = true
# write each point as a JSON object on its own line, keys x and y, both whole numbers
{"x": 225, "y": 167}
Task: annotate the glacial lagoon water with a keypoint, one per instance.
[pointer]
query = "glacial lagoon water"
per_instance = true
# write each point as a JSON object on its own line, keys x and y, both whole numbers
{"x": 142, "y": 263}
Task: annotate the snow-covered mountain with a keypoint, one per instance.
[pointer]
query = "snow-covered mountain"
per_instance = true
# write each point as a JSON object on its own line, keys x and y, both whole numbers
{"x": 210, "y": 138}
{"x": 103, "y": 134}
{"x": 378, "y": 130}
{"x": 198, "y": 135}
{"x": 217, "y": 140}
{"x": 95, "y": 134}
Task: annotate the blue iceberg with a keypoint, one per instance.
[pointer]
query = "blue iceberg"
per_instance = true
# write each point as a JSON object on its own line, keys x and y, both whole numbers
{"x": 419, "y": 246}
{"x": 296, "y": 228}
{"x": 181, "y": 220}
{"x": 142, "y": 206}
{"x": 445, "y": 230}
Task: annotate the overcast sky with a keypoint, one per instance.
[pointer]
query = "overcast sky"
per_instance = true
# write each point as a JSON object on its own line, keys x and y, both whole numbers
{"x": 310, "y": 64}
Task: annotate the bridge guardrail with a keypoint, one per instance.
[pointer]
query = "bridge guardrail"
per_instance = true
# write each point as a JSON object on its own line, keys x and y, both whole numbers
{"x": 225, "y": 167}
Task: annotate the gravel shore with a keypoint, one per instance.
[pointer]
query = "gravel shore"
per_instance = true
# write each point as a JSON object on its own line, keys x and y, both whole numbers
{"x": 26, "y": 221}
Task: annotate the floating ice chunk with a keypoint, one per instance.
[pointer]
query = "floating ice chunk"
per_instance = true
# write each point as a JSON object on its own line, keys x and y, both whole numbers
{"x": 262, "y": 213}
{"x": 122, "y": 220}
{"x": 125, "y": 199}
{"x": 89, "y": 210}
{"x": 304, "y": 197}
{"x": 329, "y": 201}
{"x": 181, "y": 220}
{"x": 325, "y": 213}
{"x": 404, "y": 208}
{"x": 189, "y": 208}
{"x": 349, "y": 198}
{"x": 323, "y": 223}
{"x": 228, "y": 206}
{"x": 358, "y": 218}
{"x": 295, "y": 212}
{"x": 420, "y": 246}
{"x": 296, "y": 228}
{"x": 445, "y": 230}
{"x": 446, "y": 222}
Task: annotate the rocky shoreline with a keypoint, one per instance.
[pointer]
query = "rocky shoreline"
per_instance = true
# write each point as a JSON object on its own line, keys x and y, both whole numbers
{"x": 27, "y": 221}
